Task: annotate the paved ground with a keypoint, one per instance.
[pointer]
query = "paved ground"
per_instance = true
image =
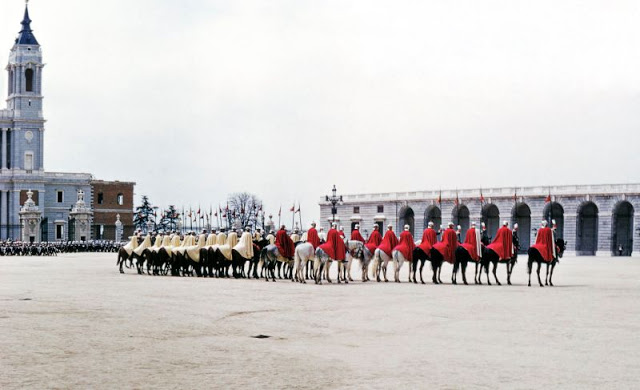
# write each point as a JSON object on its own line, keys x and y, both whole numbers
{"x": 75, "y": 322}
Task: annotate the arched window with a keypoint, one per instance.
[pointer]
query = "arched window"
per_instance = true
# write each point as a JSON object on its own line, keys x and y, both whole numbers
{"x": 587, "y": 229}
{"x": 407, "y": 218}
{"x": 491, "y": 219}
{"x": 460, "y": 214}
{"x": 622, "y": 229}
{"x": 433, "y": 214}
{"x": 521, "y": 214}
{"x": 28, "y": 74}
{"x": 120, "y": 199}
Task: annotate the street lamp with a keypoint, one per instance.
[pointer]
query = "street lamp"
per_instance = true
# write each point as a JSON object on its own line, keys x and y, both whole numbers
{"x": 334, "y": 200}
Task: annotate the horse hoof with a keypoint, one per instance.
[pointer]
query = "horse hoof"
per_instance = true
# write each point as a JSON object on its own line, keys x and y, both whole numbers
{"x": 499, "y": 284}
{"x": 121, "y": 271}
{"x": 550, "y": 284}
{"x": 346, "y": 282}
{"x": 466, "y": 284}
{"x": 509, "y": 283}
{"x": 541, "y": 285}
{"x": 423, "y": 282}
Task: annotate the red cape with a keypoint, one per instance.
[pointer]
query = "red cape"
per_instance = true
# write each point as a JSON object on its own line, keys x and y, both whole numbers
{"x": 312, "y": 238}
{"x": 388, "y": 242}
{"x": 471, "y": 244}
{"x": 355, "y": 235}
{"x": 544, "y": 242}
{"x": 374, "y": 240}
{"x": 503, "y": 243}
{"x": 429, "y": 237}
{"x": 285, "y": 244}
{"x": 447, "y": 247}
{"x": 406, "y": 245}
{"x": 334, "y": 247}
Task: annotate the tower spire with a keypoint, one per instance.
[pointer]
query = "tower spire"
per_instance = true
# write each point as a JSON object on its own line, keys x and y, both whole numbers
{"x": 26, "y": 37}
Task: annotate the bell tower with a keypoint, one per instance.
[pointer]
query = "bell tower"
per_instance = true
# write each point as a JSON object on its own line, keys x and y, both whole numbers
{"x": 25, "y": 139}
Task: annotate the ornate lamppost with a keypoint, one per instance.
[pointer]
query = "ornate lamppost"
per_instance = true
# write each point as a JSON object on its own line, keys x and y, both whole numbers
{"x": 334, "y": 199}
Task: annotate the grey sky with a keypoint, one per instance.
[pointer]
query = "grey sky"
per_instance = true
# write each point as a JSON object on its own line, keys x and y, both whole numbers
{"x": 195, "y": 99}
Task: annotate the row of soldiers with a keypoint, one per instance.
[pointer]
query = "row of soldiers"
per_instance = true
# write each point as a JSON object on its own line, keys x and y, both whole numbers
{"x": 506, "y": 244}
{"x": 20, "y": 248}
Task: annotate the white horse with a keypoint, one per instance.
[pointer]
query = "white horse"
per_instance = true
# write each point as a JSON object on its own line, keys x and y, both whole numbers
{"x": 358, "y": 250}
{"x": 398, "y": 260}
{"x": 324, "y": 261}
{"x": 303, "y": 254}
{"x": 380, "y": 262}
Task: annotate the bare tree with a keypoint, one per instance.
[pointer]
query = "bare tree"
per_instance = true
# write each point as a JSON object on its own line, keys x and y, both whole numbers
{"x": 244, "y": 209}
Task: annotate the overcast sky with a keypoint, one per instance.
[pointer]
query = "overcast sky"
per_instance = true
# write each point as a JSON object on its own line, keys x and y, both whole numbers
{"x": 195, "y": 99}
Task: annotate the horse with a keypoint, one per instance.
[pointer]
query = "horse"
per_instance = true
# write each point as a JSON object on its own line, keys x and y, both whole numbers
{"x": 269, "y": 257}
{"x": 398, "y": 261}
{"x": 304, "y": 254}
{"x": 253, "y": 263}
{"x": 419, "y": 256}
{"x": 490, "y": 256}
{"x": 462, "y": 259}
{"x": 322, "y": 258}
{"x": 534, "y": 255}
{"x": 123, "y": 256}
{"x": 358, "y": 250}
{"x": 380, "y": 262}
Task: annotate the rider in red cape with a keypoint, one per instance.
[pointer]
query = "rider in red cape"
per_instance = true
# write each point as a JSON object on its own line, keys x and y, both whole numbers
{"x": 284, "y": 243}
{"x": 406, "y": 244}
{"x": 334, "y": 247}
{"x": 471, "y": 242}
{"x": 544, "y": 242}
{"x": 341, "y": 232}
{"x": 429, "y": 237}
{"x": 355, "y": 234}
{"x": 389, "y": 241}
{"x": 374, "y": 239}
{"x": 312, "y": 236}
{"x": 447, "y": 247}
{"x": 503, "y": 243}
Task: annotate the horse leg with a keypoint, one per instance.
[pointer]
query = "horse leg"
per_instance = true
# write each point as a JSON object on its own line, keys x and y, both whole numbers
{"x": 538, "y": 271}
{"x": 326, "y": 271}
{"x": 486, "y": 270}
{"x": 385, "y": 265}
{"x": 546, "y": 278}
{"x": 464, "y": 272}
{"x": 454, "y": 273}
{"x": 421, "y": 267}
{"x": 439, "y": 273}
{"x": 475, "y": 273}
{"x": 495, "y": 275}
{"x": 553, "y": 265}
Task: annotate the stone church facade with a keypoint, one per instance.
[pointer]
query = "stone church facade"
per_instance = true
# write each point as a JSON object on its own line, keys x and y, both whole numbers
{"x": 22, "y": 130}
{"x": 593, "y": 219}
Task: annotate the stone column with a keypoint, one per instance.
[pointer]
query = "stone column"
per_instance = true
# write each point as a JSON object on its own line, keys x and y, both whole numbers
{"x": 4, "y": 148}
{"x": 3, "y": 214}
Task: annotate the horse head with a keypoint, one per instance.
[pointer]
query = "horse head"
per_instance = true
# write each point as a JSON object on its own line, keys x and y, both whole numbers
{"x": 562, "y": 246}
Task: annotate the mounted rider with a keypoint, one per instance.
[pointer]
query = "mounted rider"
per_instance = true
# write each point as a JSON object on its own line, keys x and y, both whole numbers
{"x": 355, "y": 234}
{"x": 472, "y": 243}
{"x": 334, "y": 247}
{"x": 503, "y": 243}
{"x": 447, "y": 247}
{"x": 406, "y": 244}
{"x": 389, "y": 241}
{"x": 284, "y": 243}
{"x": 374, "y": 239}
{"x": 545, "y": 242}
{"x": 312, "y": 236}
{"x": 429, "y": 237}
{"x": 485, "y": 235}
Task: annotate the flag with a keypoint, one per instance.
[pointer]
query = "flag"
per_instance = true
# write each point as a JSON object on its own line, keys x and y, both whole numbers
{"x": 198, "y": 209}
{"x": 298, "y": 210}
{"x": 457, "y": 201}
{"x": 481, "y": 196}
{"x": 548, "y": 198}
{"x": 440, "y": 197}
{"x": 280, "y": 211}
{"x": 293, "y": 208}
{"x": 515, "y": 195}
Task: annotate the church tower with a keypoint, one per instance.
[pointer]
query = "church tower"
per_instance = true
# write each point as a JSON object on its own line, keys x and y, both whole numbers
{"x": 22, "y": 152}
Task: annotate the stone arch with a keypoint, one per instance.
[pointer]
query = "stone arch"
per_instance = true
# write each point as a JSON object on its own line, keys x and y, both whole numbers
{"x": 491, "y": 218}
{"x": 460, "y": 216}
{"x": 406, "y": 217}
{"x": 521, "y": 214}
{"x": 433, "y": 214}
{"x": 622, "y": 229}
{"x": 555, "y": 211}
{"x": 587, "y": 229}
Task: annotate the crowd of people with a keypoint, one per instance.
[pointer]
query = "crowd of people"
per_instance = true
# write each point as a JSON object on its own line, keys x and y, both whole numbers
{"x": 19, "y": 248}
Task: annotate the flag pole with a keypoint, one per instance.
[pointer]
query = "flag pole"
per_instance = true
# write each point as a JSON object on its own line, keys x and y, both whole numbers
{"x": 300, "y": 215}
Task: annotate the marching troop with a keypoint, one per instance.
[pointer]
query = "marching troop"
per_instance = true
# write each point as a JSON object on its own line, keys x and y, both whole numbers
{"x": 309, "y": 255}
